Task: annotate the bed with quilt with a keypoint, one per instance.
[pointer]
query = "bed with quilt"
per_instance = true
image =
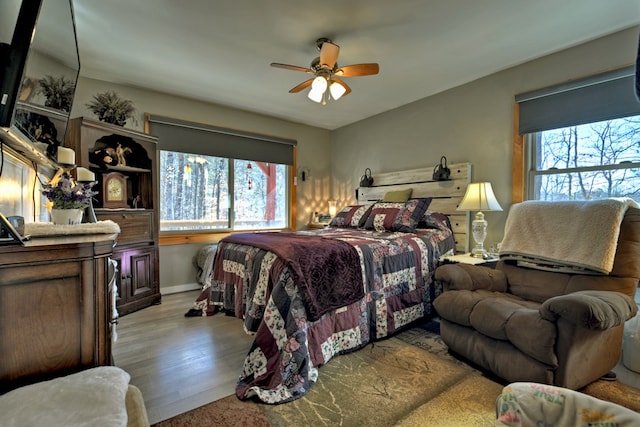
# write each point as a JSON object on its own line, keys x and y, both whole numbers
{"x": 308, "y": 296}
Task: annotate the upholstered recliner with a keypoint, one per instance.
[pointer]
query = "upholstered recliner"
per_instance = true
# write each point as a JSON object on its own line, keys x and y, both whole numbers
{"x": 531, "y": 325}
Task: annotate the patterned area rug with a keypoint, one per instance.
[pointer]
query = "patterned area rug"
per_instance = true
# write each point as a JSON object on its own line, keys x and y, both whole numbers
{"x": 407, "y": 380}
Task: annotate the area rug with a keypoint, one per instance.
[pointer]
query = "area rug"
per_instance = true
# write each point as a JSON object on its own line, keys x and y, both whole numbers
{"x": 407, "y": 380}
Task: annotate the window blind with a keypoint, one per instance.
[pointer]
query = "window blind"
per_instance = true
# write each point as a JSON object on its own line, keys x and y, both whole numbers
{"x": 600, "y": 97}
{"x": 197, "y": 138}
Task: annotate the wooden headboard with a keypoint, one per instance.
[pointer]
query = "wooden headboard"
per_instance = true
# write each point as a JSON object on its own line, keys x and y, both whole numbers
{"x": 446, "y": 195}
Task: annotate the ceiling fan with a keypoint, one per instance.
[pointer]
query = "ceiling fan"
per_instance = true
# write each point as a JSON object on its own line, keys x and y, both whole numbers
{"x": 327, "y": 73}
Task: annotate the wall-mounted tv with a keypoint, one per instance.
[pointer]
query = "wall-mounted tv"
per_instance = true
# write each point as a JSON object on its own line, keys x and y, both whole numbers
{"x": 38, "y": 53}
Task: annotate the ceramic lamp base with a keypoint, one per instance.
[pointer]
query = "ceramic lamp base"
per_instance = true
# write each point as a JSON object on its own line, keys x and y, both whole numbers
{"x": 479, "y": 231}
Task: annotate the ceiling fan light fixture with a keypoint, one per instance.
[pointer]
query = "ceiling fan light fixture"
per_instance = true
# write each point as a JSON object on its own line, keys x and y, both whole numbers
{"x": 327, "y": 72}
{"x": 337, "y": 90}
{"x": 315, "y": 95}
{"x": 319, "y": 84}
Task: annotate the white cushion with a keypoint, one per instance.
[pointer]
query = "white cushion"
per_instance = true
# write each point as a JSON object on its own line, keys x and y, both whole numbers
{"x": 94, "y": 397}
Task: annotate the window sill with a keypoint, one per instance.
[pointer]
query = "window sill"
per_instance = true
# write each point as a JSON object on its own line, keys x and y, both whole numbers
{"x": 168, "y": 238}
{"x": 188, "y": 238}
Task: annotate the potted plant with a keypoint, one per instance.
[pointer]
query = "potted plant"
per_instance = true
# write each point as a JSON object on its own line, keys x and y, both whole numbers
{"x": 68, "y": 199}
{"x": 58, "y": 92}
{"x": 110, "y": 108}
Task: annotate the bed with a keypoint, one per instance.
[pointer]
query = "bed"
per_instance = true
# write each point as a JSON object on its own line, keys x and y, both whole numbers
{"x": 283, "y": 284}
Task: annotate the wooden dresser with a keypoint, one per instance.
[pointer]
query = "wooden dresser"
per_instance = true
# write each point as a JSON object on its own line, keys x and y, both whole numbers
{"x": 55, "y": 307}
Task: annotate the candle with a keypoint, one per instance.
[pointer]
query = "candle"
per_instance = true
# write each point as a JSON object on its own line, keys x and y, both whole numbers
{"x": 66, "y": 156}
{"x": 85, "y": 175}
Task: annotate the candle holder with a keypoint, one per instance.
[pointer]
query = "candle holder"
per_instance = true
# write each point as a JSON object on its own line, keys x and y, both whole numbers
{"x": 85, "y": 176}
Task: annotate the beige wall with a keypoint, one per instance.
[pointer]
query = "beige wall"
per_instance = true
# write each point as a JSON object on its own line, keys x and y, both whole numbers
{"x": 313, "y": 152}
{"x": 314, "y": 144}
{"x": 473, "y": 123}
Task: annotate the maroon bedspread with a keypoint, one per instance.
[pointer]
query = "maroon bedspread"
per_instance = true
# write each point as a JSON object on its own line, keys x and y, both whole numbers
{"x": 328, "y": 271}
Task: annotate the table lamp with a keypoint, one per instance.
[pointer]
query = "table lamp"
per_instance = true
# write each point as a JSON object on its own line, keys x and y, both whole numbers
{"x": 332, "y": 208}
{"x": 479, "y": 197}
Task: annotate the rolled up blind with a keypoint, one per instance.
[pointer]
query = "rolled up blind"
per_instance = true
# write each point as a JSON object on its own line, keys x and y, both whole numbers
{"x": 197, "y": 138}
{"x": 600, "y": 97}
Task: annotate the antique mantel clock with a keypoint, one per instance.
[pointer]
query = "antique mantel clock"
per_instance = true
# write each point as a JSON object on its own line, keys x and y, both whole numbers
{"x": 114, "y": 190}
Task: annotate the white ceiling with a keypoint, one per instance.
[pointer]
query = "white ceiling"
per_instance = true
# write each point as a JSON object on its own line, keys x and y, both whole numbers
{"x": 219, "y": 51}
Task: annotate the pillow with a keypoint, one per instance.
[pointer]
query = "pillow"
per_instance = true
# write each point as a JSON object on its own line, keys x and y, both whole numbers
{"x": 398, "y": 196}
{"x": 435, "y": 220}
{"x": 353, "y": 216}
{"x": 388, "y": 216}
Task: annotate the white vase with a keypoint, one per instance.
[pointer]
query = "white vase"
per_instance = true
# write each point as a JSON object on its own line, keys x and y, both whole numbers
{"x": 66, "y": 216}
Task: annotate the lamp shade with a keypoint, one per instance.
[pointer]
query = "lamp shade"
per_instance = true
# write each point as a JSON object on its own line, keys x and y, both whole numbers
{"x": 332, "y": 208}
{"x": 479, "y": 197}
{"x": 319, "y": 84}
{"x": 315, "y": 95}
{"x": 337, "y": 90}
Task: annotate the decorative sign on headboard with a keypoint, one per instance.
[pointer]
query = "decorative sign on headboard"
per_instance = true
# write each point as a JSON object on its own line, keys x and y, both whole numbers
{"x": 446, "y": 195}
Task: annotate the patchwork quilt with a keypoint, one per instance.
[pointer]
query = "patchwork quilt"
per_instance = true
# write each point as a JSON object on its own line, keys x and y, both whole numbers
{"x": 395, "y": 271}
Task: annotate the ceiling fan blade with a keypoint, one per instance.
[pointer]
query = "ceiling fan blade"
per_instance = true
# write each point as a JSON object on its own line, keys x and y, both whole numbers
{"x": 329, "y": 54}
{"x": 301, "y": 86}
{"x": 292, "y": 67}
{"x": 358, "y": 70}
{"x": 346, "y": 86}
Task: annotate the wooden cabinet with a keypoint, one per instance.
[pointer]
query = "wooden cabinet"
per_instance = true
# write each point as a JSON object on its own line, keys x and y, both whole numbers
{"x": 134, "y": 280}
{"x": 55, "y": 308}
{"x": 125, "y": 163}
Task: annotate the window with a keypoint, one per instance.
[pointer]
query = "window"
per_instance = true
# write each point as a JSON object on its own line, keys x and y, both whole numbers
{"x": 582, "y": 139}
{"x": 585, "y": 162}
{"x": 197, "y": 194}
{"x": 220, "y": 179}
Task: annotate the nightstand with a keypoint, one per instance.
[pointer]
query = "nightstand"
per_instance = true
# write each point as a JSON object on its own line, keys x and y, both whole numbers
{"x": 317, "y": 225}
{"x": 468, "y": 259}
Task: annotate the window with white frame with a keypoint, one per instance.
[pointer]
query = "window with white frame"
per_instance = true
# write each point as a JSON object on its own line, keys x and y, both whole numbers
{"x": 214, "y": 179}
{"x": 582, "y": 139}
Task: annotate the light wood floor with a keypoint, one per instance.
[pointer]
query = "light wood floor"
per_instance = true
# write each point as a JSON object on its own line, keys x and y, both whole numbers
{"x": 180, "y": 363}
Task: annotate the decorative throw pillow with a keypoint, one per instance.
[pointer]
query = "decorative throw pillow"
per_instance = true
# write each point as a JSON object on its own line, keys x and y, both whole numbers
{"x": 353, "y": 216}
{"x": 402, "y": 217}
{"x": 435, "y": 220}
{"x": 398, "y": 196}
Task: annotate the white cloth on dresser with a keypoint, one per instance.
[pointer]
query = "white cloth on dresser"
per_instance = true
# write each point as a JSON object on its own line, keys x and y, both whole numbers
{"x": 568, "y": 236}
{"x": 92, "y": 398}
{"x": 36, "y": 229}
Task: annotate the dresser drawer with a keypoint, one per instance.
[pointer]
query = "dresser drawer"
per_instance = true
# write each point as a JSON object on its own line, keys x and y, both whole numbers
{"x": 135, "y": 225}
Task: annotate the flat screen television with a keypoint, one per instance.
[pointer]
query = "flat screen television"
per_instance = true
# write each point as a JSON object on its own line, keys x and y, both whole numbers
{"x": 38, "y": 52}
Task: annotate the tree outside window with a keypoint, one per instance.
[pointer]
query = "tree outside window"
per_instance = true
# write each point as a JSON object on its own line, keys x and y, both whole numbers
{"x": 197, "y": 193}
{"x": 587, "y": 162}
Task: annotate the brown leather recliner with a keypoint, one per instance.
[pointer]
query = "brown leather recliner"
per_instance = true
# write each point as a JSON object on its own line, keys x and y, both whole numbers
{"x": 529, "y": 325}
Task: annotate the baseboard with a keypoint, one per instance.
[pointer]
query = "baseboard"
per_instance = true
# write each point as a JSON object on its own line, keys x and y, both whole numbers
{"x": 167, "y": 290}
